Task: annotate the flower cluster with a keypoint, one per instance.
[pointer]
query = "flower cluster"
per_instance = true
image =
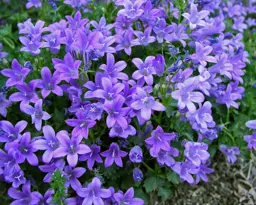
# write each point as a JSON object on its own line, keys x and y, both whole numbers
{"x": 120, "y": 104}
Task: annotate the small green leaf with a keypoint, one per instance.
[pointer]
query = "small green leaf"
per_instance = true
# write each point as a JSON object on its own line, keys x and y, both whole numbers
{"x": 173, "y": 177}
{"x": 165, "y": 193}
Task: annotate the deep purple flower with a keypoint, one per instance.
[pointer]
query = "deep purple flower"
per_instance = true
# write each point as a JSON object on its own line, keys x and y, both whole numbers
{"x": 146, "y": 70}
{"x": 113, "y": 70}
{"x": 53, "y": 41}
{"x": 46, "y": 199}
{"x": 94, "y": 194}
{"x": 113, "y": 154}
{"x": 70, "y": 147}
{"x": 159, "y": 140}
{"x": 49, "y": 143}
{"x": 136, "y": 154}
{"x": 48, "y": 83}
{"x": 92, "y": 156}
{"x": 77, "y": 22}
{"x": 16, "y": 177}
{"x": 116, "y": 113}
{"x": 10, "y": 132}
{"x": 10, "y": 160}
{"x": 127, "y": 198}
{"x": 23, "y": 197}
{"x": 137, "y": 175}
{"x": 72, "y": 175}
{"x": 202, "y": 171}
{"x": 125, "y": 42}
{"x": 66, "y": 69}
{"x": 33, "y": 3}
{"x": 122, "y": 24}
{"x": 202, "y": 54}
{"x": 4, "y": 104}
{"x": 16, "y": 75}
{"x": 251, "y": 140}
{"x": 37, "y": 114}
{"x": 159, "y": 64}
{"x": 132, "y": 9}
{"x": 186, "y": 95}
{"x": 230, "y": 153}
{"x": 166, "y": 157}
{"x": 118, "y": 131}
{"x": 94, "y": 111}
{"x": 81, "y": 125}
{"x": 195, "y": 18}
{"x": 196, "y": 152}
{"x": 25, "y": 148}
{"x": 146, "y": 104}
{"x": 162, "y": 31}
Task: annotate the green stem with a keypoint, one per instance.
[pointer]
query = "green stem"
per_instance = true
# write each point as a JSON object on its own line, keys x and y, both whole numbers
{"x": 148, "y": 167}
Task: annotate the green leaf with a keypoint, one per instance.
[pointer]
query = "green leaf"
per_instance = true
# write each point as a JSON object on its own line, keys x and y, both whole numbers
{"x": 152, "y": 183}
{"x": 173, "y": 177}
{"x": 165, "y": 193}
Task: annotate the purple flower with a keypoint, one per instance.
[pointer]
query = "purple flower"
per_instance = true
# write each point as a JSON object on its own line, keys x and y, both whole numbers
{"x": 202, "y": 53}
{"x": 66, "y": 69}
{"x": 16, "y": 75}
{"x": 49, "y": 143}
{"x": 10, "y": 160}
{"x": 53, "y": 41}
{"x": 48, "y": 83}
{"x": 94, "y": 110}
{"x": 77, "y": 22}
{"x": 23, "y": 197}
{"x": 72, "y": 175}
{"x": 70, "y": 147}
{"x": 202, "y": 171}
{"x": 186, "y": 95}
{"x": 159, "y": 140}
{"x": 28, "y": 28}
{"x": 196, "y": 152}
{"x": 118, "y": 131}
{"x": 162, "y": 31}
{"x": 239, "y": 24}
{"x": 31, "y": 45}
{"x": 137, "y": 175}
{"x": 251, "y": 124}
{"x": 25, "y": 148}
{"x": 11, "y": 132}
{"x": 195, "y": 18}
{"x": 94, "y": 194}
{"x": 37, "y": 114}
{"x": 127, "y": 198}
{"x": 146, "y": 70}
{"x": 81, "y": 125}
{"x": 144, "y": 38}
{"x": 159, "y": 63}
{"x": 113, "y": 154}
{"x": 113, "y": 70}
{"x": 179, "y": 34}
{"x": 146, "y": 103}
{"x": 251, "y": 140}
{"x": 132, "y": 9}
{"x": 92, "y": 156}
{"x": 4, "y": 104}
{"x": 47, "y": 198}
{"x": 76, "y": 4}
{"x": 116, "y": 113}
{"x": 125, "y": 42}
{"x": 230, "y": 153}
{"x": 166, "y": 157}
{"x": 33, "y": 3}
{"x": 233, "y": 10}
{"x": 122, "y": 24}
{"x": 102, "y": 27}
{"x": 16, "y": 177}
{"x": 136, "y": 154}
{"x": 2, "y": 54}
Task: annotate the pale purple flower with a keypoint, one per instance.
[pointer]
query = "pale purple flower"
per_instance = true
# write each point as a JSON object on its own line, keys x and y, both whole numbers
{"x": 144, "y": 38}
{"x": 179, "y": 34}
{"x": 127, "y": 198}
{"x": 223, "y": 66}
{"x": 202, "y": 54}
{"x": 102, "y": 26}
{"x": 33, "y": 3}
{"x": 186, "y": 95}
{"x": 77, "y": 22}
{"x": 31, "y": 45}
{"x": 233, "y": 10}
{"x": 2, "y": 54}
{"x": 166, "y": 157}
{"x": 53, "y": 41}
{"x": 10, "y": 160}
{"x": 137, "y": 174}
{"x": 118, "y": 131}
{"x": 35, "y": 30}
{"x": 195, "y": 18}
{"x": 196, "y": 152}
{"x": 145, "y": 71}
{"x": 16, "y": 177}
{"x": 94, "y": 110}
{"x": 37, "y": 114}
{"x": 70, "y": 147}
{"x": 239, "y": 24}
{"x": 132, "y": 9}
{"x": 72, "y": 175}
{"x": 4, "y": 104}
{"x": 202, "y": 171}
{"x": 230, "y": 152}
{"x": 16, "y": 75}
{"x": 94, "y": 194}
{"x": 23, "y": 197}
{"x": 113, "y": 154}
{"x": 49, "y": 143}
{"x": 136, "y": 154}
{"x": 251, "y": 140}
{"x": 162, "y": 31}
{"x": 92, "y": 156}
{"x": 125, "y": 42}
{"x": 81, "y": 125}
{"x": 146, "y": 104}
{"x": 251, "y": 124}
{"x": 49, "y": 83}
{"x": 122, "y": 24}
{"x": 159, "y": 140}
{"x": 159, "y": 65}
{"x": 76, "y": 4}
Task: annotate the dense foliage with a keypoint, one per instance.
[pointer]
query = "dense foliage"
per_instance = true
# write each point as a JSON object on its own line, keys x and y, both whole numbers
{"x": 108, "y": 102}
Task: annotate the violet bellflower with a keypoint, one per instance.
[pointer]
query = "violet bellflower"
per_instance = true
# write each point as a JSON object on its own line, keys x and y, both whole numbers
{"x": 4, "y": 104}
{"x": 49, "y": 83}
{"x": 159, "y": 64}
{"x": 251, "y": 140}
{"x": 10, "y": 161}
{"x": 162, "y": 31}
{"x": 251, "y": 124}
{"x": 137, "y": 175}
{"x": 230, "y": 152}
{"x": 47, "y": 198}
{"x": 127, "y": 198}
{"x": 146, "y": 104}
{"x": 16, "y": 75}
{"x": 102, "y": 26}
{"x": 77, "y": 22}
{"x": 196, "y": 152}
{"x": 49, "y": 143}
{"x": 81, "y": 125}
{"x": 166, "y": 157}
{"x": 37, "y": 114}
{"x": 16, "y": 177}
{"x": 145, "y": 38}
{"x": 202, "y": 171}
{"x": 33, "y": 3}
{"x": 94, "y": 111}
{"x": 72, "y": 175}
{"x": 2, "y": 54}
{"x": 31, "y": 45}
{"x": 92, "y": 156}
{"x": 132, "y": 9}
{"x": 136, "y": 154}
{"x": 35, "y": 30}
{"x": 25, "y": 149}
{"x": 93, "y": 193}
{"x": 118, "y": 131}
{"x": 70, "y": 147}
{"x": 113, "y": 154}
{"x": 159, "y": 140}
{"x": 53, "y": 41}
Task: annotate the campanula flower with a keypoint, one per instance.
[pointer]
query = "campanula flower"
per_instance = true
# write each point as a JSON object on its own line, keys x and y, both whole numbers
{"x": 251, "y": 140}
{"x": 127, "y": 198}
{"x": 118, "y": 131}
{"x": 136, "y": 154}
{"x": 132, "y": 9}
{"x": 33, "y": 3}
{"x": 16, "y": 177}
{"x": 230, "y": 152}
{"x": 137, "y": 175}
{"x": 2, "y": 54}
{"x": 145, "y": 38}
{"x": 72, "y": 175}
